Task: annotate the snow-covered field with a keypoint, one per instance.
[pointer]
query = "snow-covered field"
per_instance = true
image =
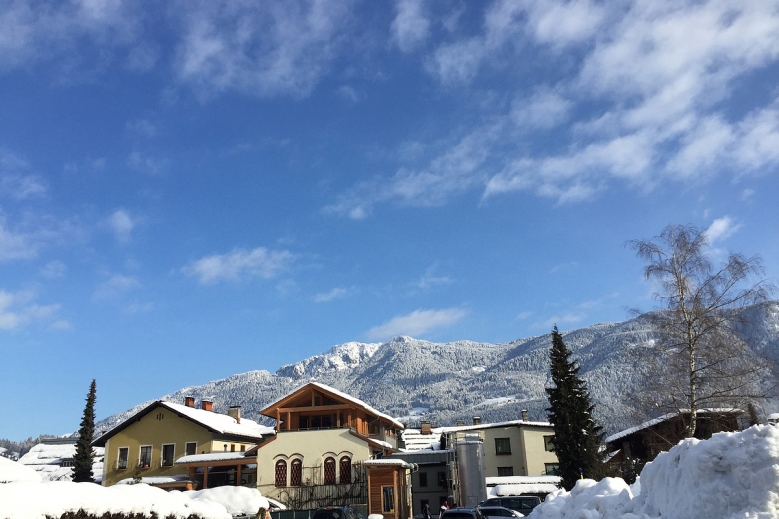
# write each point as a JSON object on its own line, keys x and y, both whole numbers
{"x": 730, "y": 476}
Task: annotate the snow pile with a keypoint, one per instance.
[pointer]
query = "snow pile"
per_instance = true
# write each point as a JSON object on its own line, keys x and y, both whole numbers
{"x": 11, "y": 471}
{"x": 237, "y": 500}
{"x": 26, "y": 500}
{"x": 730, "y": 476}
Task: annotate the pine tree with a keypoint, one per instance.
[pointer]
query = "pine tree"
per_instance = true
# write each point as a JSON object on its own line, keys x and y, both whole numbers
{"x": 577, "y": 437}
{"x": 82, "y": 461}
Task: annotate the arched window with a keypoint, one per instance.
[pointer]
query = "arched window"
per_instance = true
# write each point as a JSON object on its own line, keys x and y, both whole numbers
{"x": 296, "y": 476}
{"x": 346, "y": 470}
{"x": 330, "y": 471}
{"x": 281, "y": 473}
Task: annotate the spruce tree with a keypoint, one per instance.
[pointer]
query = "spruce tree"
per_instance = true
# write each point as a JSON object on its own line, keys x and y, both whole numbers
{"x": 82, "y": 461}
{"x": 577, "y": 437}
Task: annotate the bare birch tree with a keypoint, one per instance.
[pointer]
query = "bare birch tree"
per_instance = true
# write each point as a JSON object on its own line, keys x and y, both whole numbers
{"x": 698, "y": 361}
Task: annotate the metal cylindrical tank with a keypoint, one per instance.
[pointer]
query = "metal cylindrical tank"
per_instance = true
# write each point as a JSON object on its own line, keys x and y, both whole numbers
{"x": 470, "y": 467}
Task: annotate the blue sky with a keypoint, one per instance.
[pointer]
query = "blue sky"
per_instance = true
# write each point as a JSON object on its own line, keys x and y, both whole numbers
{"x": 191, "y": 190}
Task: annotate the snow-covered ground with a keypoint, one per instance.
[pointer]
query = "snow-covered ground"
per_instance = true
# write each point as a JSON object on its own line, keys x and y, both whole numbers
{"x": 730, "y": 476}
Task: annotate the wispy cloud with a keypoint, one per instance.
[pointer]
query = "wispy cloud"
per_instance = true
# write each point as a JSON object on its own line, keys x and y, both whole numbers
{"x": 14, "y": 246}
{"x": 17, "y": 179}
{"x": 54, "y": 269}
{"x": 416, "y": 323}
{"x": 258, "y": 48}
{"x": 429, "y": 279}
{"x": 116, "y": 286}
{"x": 240, "y": 263}
{"x": 336, "y": 293}
{"x": 721, "y": 229}
{"x": 19, "y": 309}
{"x": 121, "y": 224}
{"x": 411, "y": 27}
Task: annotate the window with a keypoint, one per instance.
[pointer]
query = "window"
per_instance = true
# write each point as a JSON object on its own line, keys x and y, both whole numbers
{"x": 423, "y": 479}
{"x": 124, "y": 454}
{"x": 281, "y": 473}
{"x": 502, "y": 446}
{"x": 549, "y": 443}
{"x": 552, "y": 469}
{"x": 346, "y": 470}
{"x": 296, "y": 476}
{"x": 387, "y": 499}
{"x": 373, "y": 429}
{"x": 329, "y": 471}
{"x": 442, "y": 479}
{"x": 505, "y": 471}
{"x": 167, "y": 454}
{"x": 232, "y": 447}
{"x": 190, "y": 448}
{"x": 144, "y": 461}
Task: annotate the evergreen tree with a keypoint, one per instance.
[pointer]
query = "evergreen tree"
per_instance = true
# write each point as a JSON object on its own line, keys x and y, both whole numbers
{"x": 82, "y": 461}
{"x": 577, "y": 437}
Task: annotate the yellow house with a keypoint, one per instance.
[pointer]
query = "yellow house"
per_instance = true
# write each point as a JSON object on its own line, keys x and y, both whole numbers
{"x": 512, "y": 448}
{"x": 148, "y": 445}
{"x": 323, "y": 436}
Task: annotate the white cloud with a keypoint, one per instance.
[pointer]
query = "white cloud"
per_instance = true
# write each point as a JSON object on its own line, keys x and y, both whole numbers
{"x": 416, "y": 323}
{"x": 239, "y": 263}
{"x": 16, "y": 246}
{"x": 61, "y": 324}
{"x": 429, "y": 279}
{"x": 17, "y": 179}
{"x": 122, "y": 225}
{"x": 336, "y": 293}
{"x": 259, "y": 48}
{"x": 115, "y": 286}
{"x": 410, "y": 28}
{"x": 147, "y": 164}
{"x": 54, "y": 269}
{"x": 721, "y": 229}
{"x": 18, "y": 310}
{"x": 568, "y": 318}
{"x": 544, "y": 109}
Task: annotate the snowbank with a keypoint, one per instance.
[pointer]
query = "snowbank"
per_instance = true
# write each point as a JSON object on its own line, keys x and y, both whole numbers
{"x": 237, "y": 500}
{"x": 26, "y": 500}
{"x": 730, "y": 476}
{"x": 11, "y": 471}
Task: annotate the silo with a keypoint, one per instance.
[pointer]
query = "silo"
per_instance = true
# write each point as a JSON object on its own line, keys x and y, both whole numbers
{"x": 472, "y": 488}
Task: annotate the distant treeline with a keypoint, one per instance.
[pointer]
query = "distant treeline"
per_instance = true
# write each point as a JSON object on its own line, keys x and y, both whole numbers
{"x": 22, "y": 447}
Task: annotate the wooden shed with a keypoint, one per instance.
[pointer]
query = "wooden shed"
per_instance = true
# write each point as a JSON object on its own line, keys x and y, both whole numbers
{"x": 389, "y": 488}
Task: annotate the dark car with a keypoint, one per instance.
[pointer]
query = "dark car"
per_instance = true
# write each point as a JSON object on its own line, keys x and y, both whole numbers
{"x": 498, "y": 511}
{"x": 462, "y": 513}
{"x": 522, "y": 504}
{"x": 337, "y": 512}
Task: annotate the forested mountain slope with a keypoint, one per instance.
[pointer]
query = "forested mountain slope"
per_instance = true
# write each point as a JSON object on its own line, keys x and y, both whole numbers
{"x": 448, "y": 382}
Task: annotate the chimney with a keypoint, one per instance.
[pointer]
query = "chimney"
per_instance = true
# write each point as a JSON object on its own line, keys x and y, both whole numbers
{"x": 207, "y": 405}
{"x": 477, "y": 420}
{"x": 524, "y": 415}
{"x": 426, "y": 427}
{"x": 460, "y": 423}
{"x": 189, "y": 401}
{"x": 234, "y": 411}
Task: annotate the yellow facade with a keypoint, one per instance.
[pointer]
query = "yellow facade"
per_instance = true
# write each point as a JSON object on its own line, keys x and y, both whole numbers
{"x": 160, "y": 427}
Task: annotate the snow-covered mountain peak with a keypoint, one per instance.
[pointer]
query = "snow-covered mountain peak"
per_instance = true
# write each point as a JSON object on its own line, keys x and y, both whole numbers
{"x": 340, "y": 357}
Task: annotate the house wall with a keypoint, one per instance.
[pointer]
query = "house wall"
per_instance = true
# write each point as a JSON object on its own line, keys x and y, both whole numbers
{"x": 310, "y": 446}
{"x": 535, "y": 453}
{"x": 160, "y": 426}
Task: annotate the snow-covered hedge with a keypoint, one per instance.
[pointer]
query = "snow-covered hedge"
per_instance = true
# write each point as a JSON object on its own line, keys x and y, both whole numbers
{"x": 730, "y": 476}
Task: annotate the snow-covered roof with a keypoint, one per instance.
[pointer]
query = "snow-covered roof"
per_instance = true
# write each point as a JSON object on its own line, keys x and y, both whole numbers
{"x": 214, "y": 456}
{"x": 510, "y": 423}
{"x": 415, "y": 440}
{"x": 665, "y": 417}
{"x": 216, "y": 422}
{"x": 11, "y": 471}
{"x": 46, "y": 458}
{"x": 154, "y": 480}
{"x": 388, "y": 462}
{"x": 344, "y": 396}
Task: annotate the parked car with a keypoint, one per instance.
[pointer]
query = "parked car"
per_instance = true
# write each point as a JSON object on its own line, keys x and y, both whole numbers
{"x": 337, "y": 512}
{"x": 462, "y": 513}
{"x": 498, "y": 511}
{"x": 522, "y": 504}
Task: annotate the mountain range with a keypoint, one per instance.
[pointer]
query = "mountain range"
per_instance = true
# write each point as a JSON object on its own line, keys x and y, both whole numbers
{"x": 412, "y": 379}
